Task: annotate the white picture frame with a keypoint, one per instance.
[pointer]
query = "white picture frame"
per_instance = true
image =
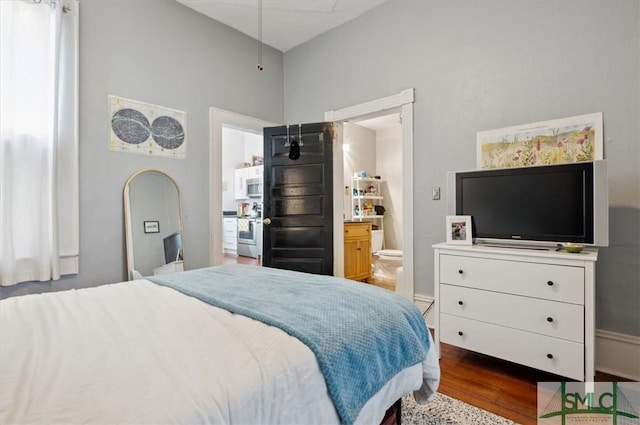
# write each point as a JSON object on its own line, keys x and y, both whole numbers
{"x": 458, "y": 228}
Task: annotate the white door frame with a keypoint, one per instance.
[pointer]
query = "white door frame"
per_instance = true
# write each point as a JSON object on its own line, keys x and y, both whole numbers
{"x": 403, "y": 100}
{"x": 218, "y": 118}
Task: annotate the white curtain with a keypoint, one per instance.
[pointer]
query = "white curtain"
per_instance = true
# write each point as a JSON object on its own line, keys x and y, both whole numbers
{"x": 38, "y": 140}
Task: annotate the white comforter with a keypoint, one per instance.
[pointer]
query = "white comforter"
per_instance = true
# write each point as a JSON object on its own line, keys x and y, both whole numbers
{"x": 139, "y": 353}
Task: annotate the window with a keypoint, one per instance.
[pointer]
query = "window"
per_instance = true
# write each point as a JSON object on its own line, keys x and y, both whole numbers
{"x": 38, "y": 140}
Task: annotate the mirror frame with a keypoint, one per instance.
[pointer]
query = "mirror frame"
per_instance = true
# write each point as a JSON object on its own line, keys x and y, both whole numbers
{"x": 128, "y": 233}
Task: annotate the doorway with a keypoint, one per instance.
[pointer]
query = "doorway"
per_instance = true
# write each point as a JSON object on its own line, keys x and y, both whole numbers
{"x": 401, "y": 103}
{"x": 372, "y": 146}
{"x": 220, "y": 119}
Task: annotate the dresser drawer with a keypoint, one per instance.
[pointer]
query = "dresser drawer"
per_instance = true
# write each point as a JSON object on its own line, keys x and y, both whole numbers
{"x": 551, "y": 318}
{"x": 547, "y": 281}
{"x": 357, "y": 230}
{"x": 541, "y": 352}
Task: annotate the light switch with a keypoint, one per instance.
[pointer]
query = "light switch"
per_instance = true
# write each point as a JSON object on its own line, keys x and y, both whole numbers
{"x": 435, "y": 193}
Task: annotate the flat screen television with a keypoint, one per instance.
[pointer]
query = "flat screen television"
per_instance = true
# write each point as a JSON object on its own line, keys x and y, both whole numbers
{"x": 172, "y": 248}
{"x": 547, "y": 204}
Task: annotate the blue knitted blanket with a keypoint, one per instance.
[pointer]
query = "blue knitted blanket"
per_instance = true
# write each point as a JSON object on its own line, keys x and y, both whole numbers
{"x": 361, "y": 335}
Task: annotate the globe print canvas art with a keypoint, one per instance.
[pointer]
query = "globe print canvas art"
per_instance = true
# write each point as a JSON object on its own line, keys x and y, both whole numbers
{"x": 143, "y": 128}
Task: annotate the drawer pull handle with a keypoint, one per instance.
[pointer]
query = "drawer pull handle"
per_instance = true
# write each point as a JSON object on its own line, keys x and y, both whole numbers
{"x": 549, "y": 319}
{"x": 460, "y": 302}
{"x": 549, "y": 356}
{"x": 460, "y": 333}
{"x": 550, "y": 283}
{"x": 460, "y": 271}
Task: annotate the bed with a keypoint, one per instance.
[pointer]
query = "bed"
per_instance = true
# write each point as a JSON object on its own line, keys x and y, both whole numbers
{"x": 174, "y": 350}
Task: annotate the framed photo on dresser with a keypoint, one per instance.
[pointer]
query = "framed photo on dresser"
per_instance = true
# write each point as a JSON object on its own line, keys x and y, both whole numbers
{"x": 458, "y": 228}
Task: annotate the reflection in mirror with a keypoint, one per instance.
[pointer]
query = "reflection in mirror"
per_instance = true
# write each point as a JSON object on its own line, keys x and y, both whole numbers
{"x": 153, "y": 224}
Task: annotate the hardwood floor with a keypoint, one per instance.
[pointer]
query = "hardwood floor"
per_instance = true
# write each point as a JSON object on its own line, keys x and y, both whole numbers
{"x": 501, "y": 387}
{"x": 231, "y": 259}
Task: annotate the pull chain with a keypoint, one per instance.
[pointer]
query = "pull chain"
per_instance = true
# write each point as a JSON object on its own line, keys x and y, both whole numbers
{"x": 260, "y": 67}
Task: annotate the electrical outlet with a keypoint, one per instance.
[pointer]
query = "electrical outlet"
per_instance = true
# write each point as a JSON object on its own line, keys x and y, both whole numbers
{"x": 435, "y": 193}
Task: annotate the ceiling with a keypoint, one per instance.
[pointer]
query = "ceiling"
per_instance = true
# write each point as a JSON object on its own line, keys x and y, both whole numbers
{"x": 302, "y": 19}
{"x": 285, "y": 23}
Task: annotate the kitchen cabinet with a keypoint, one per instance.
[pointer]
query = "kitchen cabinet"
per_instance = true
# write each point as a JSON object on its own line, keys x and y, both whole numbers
{"x": 255, "y": 172}
{"x": 357, "y": 250}
{"x": 366, "y": 200}
{"x": 532, "y": 307}
{"x": 230, "y": 234}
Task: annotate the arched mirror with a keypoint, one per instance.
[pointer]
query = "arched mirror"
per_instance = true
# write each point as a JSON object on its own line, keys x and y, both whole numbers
{"x": 153, "y": 224}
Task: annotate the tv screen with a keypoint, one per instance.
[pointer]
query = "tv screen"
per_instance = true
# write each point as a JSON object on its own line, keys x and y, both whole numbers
{"x": 172, "y": 248}
{"x": 555, "y": 203}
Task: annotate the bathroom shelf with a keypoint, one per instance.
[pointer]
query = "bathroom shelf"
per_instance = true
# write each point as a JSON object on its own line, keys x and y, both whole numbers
{"x": 372, "y": 197}
{"x": 366, "y": 191}
{"x": 362, "y": 217}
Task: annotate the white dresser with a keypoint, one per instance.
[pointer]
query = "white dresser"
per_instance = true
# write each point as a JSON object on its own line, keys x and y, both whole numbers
{"x": 529, "y": 306}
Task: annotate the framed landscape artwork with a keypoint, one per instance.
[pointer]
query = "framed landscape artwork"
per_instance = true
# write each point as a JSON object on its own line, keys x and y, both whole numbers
{"x": 573, "y": 139}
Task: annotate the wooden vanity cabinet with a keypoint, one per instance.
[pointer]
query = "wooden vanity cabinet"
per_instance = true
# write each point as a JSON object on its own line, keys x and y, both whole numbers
{"x": 357, "y": 250}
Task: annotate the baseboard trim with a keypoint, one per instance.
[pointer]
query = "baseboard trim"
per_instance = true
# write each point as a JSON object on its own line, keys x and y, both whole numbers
{"x": 617, "y": 354}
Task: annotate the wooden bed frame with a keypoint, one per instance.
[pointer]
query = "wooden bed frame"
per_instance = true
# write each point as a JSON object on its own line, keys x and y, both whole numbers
{"x": 393, "y": 414}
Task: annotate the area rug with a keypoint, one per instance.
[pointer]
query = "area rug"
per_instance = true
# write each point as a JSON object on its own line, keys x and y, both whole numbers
{"x": 444, "y": 410}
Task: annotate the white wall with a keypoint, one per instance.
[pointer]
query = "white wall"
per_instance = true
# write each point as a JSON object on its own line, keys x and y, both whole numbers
{"x": 233, "y": 147}
{"x": 479, "y": 65}
{"x": 389, "y": 166}
{"x": 253, "y": 146}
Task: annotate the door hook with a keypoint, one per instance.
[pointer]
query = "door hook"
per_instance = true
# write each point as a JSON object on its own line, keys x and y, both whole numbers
{"x": 287, "y": 143}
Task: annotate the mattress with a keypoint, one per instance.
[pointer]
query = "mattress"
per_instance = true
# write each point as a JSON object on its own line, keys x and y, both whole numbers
{"x": 136, "y": 352}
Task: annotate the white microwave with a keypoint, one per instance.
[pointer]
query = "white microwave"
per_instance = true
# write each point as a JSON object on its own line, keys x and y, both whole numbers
{"x": 254, "y": 188}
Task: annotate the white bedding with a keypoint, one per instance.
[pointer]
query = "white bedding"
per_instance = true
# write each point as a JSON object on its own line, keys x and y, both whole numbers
{"x": 139, "y": 353}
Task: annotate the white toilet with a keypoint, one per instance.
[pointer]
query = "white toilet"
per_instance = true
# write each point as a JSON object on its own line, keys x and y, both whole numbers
{"x": 387, "y": 263}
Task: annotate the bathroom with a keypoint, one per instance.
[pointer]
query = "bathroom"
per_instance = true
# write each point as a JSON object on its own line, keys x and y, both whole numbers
{"x": 374, "y": 146}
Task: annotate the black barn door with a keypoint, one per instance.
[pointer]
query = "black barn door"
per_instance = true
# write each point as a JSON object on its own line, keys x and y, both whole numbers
{"x": 298, "y": 198}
